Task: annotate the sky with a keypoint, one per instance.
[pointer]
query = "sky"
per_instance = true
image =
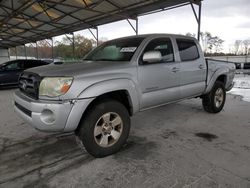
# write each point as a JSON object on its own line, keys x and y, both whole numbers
{"x": 227, "y": 19}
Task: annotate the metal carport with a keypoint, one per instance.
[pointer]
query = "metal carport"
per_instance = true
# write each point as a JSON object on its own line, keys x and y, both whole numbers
{"x": 26, "y": 21}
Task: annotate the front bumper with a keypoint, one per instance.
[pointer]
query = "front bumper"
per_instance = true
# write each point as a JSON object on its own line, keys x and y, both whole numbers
{"x": 50, "y": 116}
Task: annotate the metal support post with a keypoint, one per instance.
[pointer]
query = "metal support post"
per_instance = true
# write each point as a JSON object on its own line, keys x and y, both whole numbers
{"x": 52, "y": 47}
{"x": 198, "y": 19}
{"x": 9, "y": 53}
{"x": 16, "y": 51}
{"x": 96, "y": 36}
{"x": 136, "y": 25}
{"x": 36, "y": 50}
{"x": 199, "y": 23}
{"x": 135, "y": 28}
{"x": 25, "y": 51}
{"x": 73, "y": 42}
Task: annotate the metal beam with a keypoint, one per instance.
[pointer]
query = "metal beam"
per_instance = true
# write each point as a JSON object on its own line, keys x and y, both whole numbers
{"x": 25, "y": 51}
{"x": 137, "y": 25}
{"x": 52, "y": 47}
{"x": 198, "y": 18}
{"x": 135, "y": 28}
{"x": 164, "y": 9}
{"x": 96, "y": 36}
{"x": 73, "y": 43}
{"x": 117, "y": 12}
{"x": 195, "y": 14}
{"x": 199, "y": 22}
{"x": 16, "y": 51}
{"x": 9, "y": 53}
{"x": 36, "y": 50}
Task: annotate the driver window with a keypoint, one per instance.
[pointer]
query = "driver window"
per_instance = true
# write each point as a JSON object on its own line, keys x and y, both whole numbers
{"x": 164, "y": 46}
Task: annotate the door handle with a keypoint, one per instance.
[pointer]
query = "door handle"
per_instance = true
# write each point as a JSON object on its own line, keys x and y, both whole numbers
{"x": 201, "y": 66}
{"x": 175, "y": 69}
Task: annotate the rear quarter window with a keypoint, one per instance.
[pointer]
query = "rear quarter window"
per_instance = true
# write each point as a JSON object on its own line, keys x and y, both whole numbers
{"x": 188, "y": 49}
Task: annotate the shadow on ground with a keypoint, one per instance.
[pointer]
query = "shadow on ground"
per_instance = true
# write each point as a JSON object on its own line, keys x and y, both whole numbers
{"x": 39, "y": 157}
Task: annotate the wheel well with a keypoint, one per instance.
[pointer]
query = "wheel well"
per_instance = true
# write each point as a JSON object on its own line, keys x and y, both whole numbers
{"x": 120, "y": 95}
{"x": 222, "y": 78}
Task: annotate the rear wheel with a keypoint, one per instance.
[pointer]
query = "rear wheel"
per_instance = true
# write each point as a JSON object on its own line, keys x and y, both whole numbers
{"x": 214, "y": 101}
{"x": 105, "y": 128}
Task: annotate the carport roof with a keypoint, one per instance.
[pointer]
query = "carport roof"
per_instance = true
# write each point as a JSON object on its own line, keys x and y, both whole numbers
{"x": 26, "y": 21}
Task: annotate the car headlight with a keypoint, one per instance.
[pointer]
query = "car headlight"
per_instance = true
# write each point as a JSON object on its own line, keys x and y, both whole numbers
{"x": 54, "y": 86}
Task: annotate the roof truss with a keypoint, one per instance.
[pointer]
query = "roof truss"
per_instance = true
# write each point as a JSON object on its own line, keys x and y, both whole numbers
{"x": 26, "y": 21}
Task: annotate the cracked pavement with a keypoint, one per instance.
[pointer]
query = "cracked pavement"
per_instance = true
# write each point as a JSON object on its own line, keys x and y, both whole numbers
{"x": 178, "y": 145}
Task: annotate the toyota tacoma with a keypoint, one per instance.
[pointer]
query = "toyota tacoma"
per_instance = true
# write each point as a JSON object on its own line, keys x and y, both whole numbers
{"x": 95, "y": 98}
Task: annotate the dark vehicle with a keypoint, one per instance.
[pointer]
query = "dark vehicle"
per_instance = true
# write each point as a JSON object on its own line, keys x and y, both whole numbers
{"x": 246, "y": 65}
{"x": 10, "y": 71}
{"x": 237, "y": 65}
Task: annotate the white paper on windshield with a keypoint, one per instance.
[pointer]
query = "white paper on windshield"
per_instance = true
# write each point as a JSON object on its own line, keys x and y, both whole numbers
{"x": 128, "y": 49}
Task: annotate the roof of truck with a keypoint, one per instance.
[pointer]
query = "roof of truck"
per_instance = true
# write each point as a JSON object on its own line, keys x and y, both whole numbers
{"x": 157, "y": 35}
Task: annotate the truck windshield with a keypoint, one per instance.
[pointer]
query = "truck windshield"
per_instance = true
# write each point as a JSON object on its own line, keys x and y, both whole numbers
{"x": 115, "y": 50}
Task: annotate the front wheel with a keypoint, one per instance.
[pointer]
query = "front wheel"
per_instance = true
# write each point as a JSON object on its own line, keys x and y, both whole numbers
{"x": 105, "y": 128}
{"x": 214, "y": 101}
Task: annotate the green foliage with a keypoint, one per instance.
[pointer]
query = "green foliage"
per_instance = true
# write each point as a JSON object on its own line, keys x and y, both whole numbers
{"x": 82, "y": 46}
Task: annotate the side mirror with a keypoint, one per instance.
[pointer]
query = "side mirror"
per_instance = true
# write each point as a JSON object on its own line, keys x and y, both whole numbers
{"x": 152, "y": 57}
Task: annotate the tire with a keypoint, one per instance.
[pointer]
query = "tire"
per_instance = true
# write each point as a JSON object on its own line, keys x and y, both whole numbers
{"x": 214, "y": 101}
{"x": 99, "y": 133}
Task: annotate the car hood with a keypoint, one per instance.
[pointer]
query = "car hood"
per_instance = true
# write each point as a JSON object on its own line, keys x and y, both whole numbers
{"x": 78, "y": 69}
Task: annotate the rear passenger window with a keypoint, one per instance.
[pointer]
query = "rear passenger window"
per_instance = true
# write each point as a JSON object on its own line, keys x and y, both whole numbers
{"x": 187, "y": 49}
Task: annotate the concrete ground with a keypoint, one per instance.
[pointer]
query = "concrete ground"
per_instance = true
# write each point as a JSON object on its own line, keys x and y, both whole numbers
{"x": 178, "y": 145}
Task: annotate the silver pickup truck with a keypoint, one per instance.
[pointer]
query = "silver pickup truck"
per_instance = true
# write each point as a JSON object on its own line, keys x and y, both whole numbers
{"x": 95, "y": 98}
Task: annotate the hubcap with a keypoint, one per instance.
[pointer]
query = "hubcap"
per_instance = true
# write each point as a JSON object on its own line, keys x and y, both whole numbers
{"x": 108, "y": 129}
{"x": 219, "y": 97}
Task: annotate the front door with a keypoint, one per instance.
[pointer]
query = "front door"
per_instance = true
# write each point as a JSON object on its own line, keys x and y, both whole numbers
{"x": 159, "y": 81}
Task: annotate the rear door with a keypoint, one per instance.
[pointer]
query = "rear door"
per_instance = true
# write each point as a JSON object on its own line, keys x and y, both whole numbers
{"x": 192, "y": 68}
{"x": 159, "y": 81}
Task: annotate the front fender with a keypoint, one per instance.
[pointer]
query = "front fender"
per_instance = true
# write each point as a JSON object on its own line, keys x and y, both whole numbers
{"x": 111, "y": 85}
{"x": 90, "y": 93}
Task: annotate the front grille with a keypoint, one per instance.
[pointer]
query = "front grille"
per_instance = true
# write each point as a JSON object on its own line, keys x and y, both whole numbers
{"x": 24, "y": 110}
{"x": 29, "y": 84}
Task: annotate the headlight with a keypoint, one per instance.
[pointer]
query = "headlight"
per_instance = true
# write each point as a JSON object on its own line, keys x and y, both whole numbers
{"x": 54, "y": 86}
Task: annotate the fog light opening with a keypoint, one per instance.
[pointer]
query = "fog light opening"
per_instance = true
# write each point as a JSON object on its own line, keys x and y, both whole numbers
{"x": 47, "y": 116}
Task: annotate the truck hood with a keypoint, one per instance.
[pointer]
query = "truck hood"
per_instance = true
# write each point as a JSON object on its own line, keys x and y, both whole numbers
{"x": 86, "y": 74}
{"x": 78, "y": 69}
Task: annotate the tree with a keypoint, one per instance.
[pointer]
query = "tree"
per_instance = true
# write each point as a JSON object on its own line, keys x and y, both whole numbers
{"x": 211, "y": 43}
{"x": 190, "y": 34}
{"x": 82, "y": 46}
{"x": 237, "y": 44}
{"x": 44, "y": 49}
{"x": 206, "y": 41}
{"x": 217, "y": 44}
{"x": 246, "y": 44}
